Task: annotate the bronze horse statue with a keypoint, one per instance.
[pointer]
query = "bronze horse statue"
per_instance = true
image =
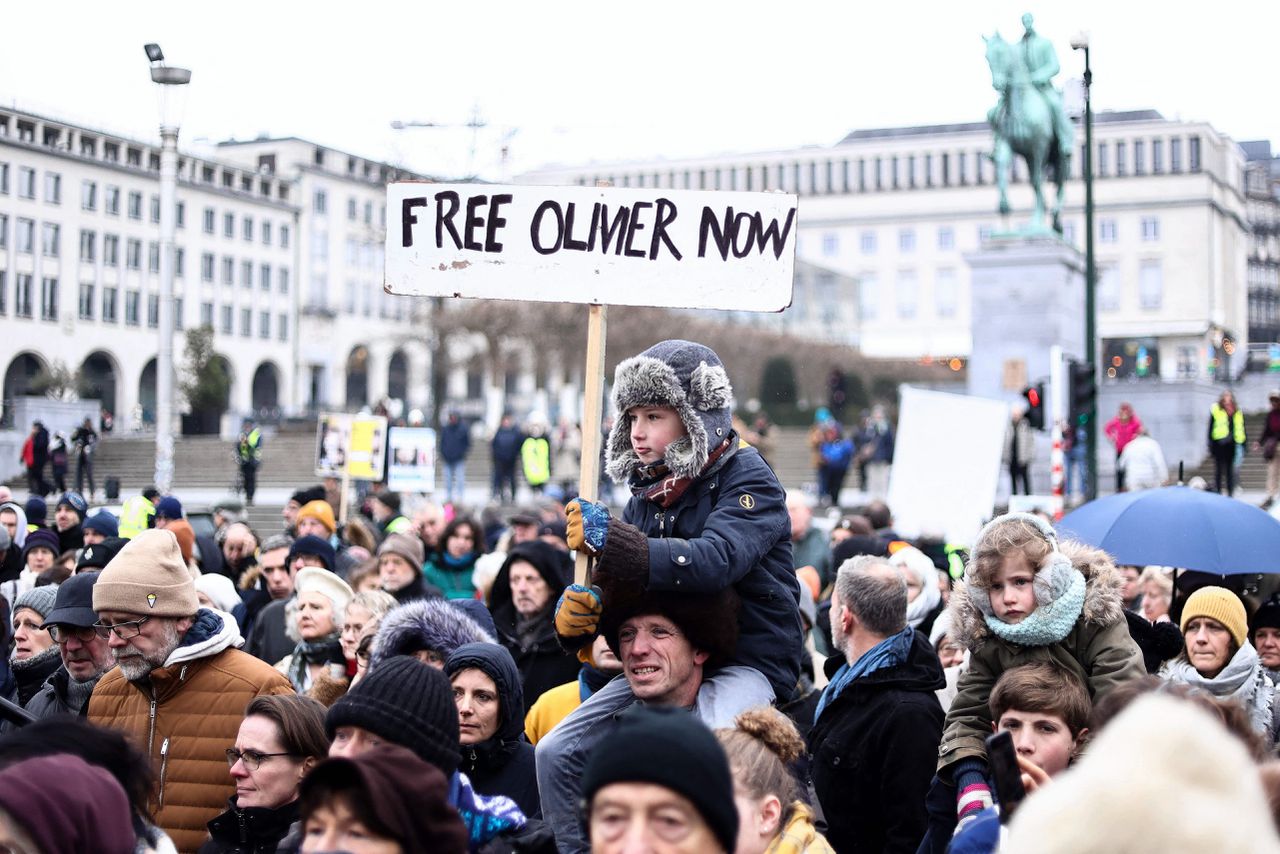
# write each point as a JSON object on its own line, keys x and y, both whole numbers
{"x": 1026, "y": 123}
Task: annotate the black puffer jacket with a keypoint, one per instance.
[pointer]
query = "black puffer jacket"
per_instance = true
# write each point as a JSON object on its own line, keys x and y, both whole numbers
{"x": 542, "y": 662}
{"x": 252, "y": 830}
{"x": 502, "y": 764}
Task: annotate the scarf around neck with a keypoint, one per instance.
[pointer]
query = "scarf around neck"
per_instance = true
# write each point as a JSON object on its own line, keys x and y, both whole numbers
{"x": 656, "y": 483}
{"x": 326, "y": 650}
{"x": 890, "y": 652}
{"x": 1047, "y": 624}
{"x": 1243, "y": 680}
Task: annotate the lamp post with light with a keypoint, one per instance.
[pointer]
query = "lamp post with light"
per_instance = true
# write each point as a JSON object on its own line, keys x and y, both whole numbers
{"x": 1081, "y": 42}
{"x": 170, "y": 82}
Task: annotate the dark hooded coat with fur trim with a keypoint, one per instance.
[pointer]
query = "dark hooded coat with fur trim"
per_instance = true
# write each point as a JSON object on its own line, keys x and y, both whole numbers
{"x": 1098, "y": 649}
{"x": 729, "y": 528}
{"x": 432, "y": 624}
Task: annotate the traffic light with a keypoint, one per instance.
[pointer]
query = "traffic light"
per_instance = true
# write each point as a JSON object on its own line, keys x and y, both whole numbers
{"x": 1082, "y": 394}
{"x": 1035, "y": 405}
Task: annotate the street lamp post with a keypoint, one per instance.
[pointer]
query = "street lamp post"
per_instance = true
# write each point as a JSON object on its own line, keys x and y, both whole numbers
{"x": 1081, "y": 42}
{"x": 168, "y": 79}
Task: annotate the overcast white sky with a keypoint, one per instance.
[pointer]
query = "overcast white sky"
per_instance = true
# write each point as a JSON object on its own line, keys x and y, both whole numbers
{"x": 576, "y": 81}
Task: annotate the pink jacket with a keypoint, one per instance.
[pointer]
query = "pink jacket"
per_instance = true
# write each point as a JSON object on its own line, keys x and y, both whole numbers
{"x": 1122, "y": 433}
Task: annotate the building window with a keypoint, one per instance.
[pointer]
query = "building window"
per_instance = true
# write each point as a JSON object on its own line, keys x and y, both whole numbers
{"x": 1193, "y": 154}
{"x": 907, "y": 240}
{"x": 179, "y": 261}
{"x": 368, "y": 213}
{"x": 282, "y": 327}
{"x": 4, "y": 231}
{"x": 868, "y": 296}
{"x": 228, "y": 270}
{"x": 4, "y": 292}
{"x": 153, "y": 310}
{"x": 246, "y": 274}
{"x": 135, "y": 205}
{"x": 266, "y": 232}
{"x": 178, "y": 323}
{"x": 133, "y": 254}
{"x": 4, "y": 179}
{"x": 206, "y": 267}
{"x": 153, "y": 257}
{"x": 247, "y": 230}
{"x": 86, "y": 301}
{"x": 110, "y": 250}
{"x": 1150, "y": 228}
{"x": 1157, "y": 156}
{"x": 1100, "y": 162}
{"x": 88, "y": 245}
{"x": 210, "y": 219}
{"x": 351, "y": 208}
{"x": 867, "y": 242}
{"x": 155, "y": 208}
{"x": 320, "y": 202}
{"x": 228, "y": 225}
{"x": 49, "y": 298}
{"x": 22, "y": 295}
{"x": 1139, "y": 157}
{"x": 264, "y": 277}
{"x": 908, "y": 294}
{"x": 1109, "y": 287}
{"x": 1120, "y": 159}
{"x": 50, "y": 240}
{"x": 1175, "y": 154}
{"x": 946, "y": 292}
{"x": 109, "y": 299}
{"x": 226, "y": 326}
{"x": 89, "y": 195}
{"x": 830, "y": 245}
{"x": 1107, "y": 231}
{"x": 26, "y": 182}
{"x": 351, "y": 296}
{"x": 284, "y": 237}
{"x": 26, "y": 235}
{"x": 180, "y": 215}
{"x": 264, "y": 324}
{"x": 284, "y": 280}
{"x": 206, "y": 314}
{"x": 1150, "y": 285}
{"x": 946, "y": 238}
{"x": 246, "y": 322}
{"x": 111, "y": 204}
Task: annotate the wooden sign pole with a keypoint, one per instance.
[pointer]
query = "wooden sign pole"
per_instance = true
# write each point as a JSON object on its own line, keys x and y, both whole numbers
{"x": 592, "y": 411}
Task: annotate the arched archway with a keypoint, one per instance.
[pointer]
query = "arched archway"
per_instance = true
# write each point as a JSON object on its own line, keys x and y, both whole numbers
{"x": 18, "y": 378}
{"x": 147, "y": 392}
{"x": 98, "y": 378}
{"x": 265, "y": 393}
{"x": 358, "y": 377}
{"x": 398, "y": 376}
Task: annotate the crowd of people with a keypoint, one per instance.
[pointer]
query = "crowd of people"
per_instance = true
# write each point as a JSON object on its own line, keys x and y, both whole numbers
{"x": 732, "y": 677}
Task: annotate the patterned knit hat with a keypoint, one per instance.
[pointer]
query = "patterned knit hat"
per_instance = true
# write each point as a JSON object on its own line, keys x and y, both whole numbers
{"x": 1221, "y": 605}
{"x": 406, "y": 702}
{"x": 149, "y": 578}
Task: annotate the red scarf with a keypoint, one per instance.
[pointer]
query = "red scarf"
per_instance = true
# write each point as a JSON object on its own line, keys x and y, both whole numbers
{"x": 667, "y": 489}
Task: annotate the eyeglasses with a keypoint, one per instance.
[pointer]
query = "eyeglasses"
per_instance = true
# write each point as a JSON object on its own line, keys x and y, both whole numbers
{"x": 62, "y": 634}
{"x": 124, "y": 631}
{"x": 251, "y": 758}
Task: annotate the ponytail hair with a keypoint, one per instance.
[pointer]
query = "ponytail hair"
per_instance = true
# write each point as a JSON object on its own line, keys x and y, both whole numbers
{"x": 761, "y": 746}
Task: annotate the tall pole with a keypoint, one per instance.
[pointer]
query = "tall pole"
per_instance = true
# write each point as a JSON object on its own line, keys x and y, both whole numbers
{"x": 164, "y": 358}
{"x": 1090, "y": 283}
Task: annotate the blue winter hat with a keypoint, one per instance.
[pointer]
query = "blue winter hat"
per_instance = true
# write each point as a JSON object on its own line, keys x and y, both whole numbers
{"x": 76, "y": 502}
{"x": 689, "y": 378}
{"x": 104, "y": 522}
{"x": 312, "y": 545}
{"x": 169, "y": 508}
{"x": 36, "y": 510}
{"x": 41, "y": 538}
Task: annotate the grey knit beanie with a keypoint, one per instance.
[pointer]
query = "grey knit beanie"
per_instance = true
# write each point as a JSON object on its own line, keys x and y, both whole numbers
{"x": 38, "y": 599}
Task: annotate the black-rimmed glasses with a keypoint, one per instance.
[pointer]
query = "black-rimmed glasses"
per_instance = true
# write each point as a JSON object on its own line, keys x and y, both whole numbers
{"x": 251, "y": 758}
{"x": 62, "y": 634}
{"x": 125, "y": 631}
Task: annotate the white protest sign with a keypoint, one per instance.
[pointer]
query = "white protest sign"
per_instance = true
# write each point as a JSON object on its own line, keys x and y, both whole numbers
{"x": 413, "y": 459}
{"x": 595, "y": 245}
{"x": 946, "y": 463}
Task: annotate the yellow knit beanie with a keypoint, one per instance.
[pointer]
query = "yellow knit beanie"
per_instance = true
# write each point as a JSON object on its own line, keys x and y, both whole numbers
{"x": 1218, "y": 603}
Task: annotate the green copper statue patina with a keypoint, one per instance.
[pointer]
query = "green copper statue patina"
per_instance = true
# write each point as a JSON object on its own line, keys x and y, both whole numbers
{"x": 1029, "y": 119}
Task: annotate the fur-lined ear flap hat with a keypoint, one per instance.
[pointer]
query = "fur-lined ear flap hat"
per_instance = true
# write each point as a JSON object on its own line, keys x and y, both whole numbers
{"x": 1001, "y": 536}
{"x": 688, "y": 377}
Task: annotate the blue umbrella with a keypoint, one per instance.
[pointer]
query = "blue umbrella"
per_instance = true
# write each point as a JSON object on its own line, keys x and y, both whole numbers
{"x": 1179, "y": 527}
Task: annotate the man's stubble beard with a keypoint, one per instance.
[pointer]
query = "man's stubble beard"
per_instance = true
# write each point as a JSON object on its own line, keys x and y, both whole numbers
{"x": 135, "y": 667}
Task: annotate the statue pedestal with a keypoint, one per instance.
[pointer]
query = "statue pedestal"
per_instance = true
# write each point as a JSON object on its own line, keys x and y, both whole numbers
{"x": 1027, "y": 295}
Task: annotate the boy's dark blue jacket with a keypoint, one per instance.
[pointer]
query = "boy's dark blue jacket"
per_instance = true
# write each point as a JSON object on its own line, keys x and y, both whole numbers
{"x": 731, "y": 528}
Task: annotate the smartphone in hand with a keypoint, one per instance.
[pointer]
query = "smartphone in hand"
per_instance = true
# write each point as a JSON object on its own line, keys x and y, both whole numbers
{"x": 1005, "y": 773}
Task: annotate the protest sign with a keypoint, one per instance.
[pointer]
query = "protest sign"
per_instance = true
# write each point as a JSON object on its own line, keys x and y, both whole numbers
{"x": 412, "y": 466}
{"x": 350, "y": 445}
{"x": 595, "y": 245}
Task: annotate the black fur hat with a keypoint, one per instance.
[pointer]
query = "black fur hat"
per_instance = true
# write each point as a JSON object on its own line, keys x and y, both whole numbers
{"x": 708, "y": 620}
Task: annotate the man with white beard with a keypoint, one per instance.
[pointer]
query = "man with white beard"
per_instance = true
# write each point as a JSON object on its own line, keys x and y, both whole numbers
{"x": 180, "y": 685}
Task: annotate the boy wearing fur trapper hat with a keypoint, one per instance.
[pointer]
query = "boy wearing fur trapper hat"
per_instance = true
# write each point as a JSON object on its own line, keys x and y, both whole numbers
{"x": 706, "y": 514}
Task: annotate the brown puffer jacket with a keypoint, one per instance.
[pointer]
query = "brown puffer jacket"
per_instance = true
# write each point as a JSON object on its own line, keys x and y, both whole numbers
{"x": 185, "y": 718}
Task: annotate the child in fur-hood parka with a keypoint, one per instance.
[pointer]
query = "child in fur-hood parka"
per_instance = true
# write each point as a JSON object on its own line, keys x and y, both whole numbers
{"x": 1029, "y": 598}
